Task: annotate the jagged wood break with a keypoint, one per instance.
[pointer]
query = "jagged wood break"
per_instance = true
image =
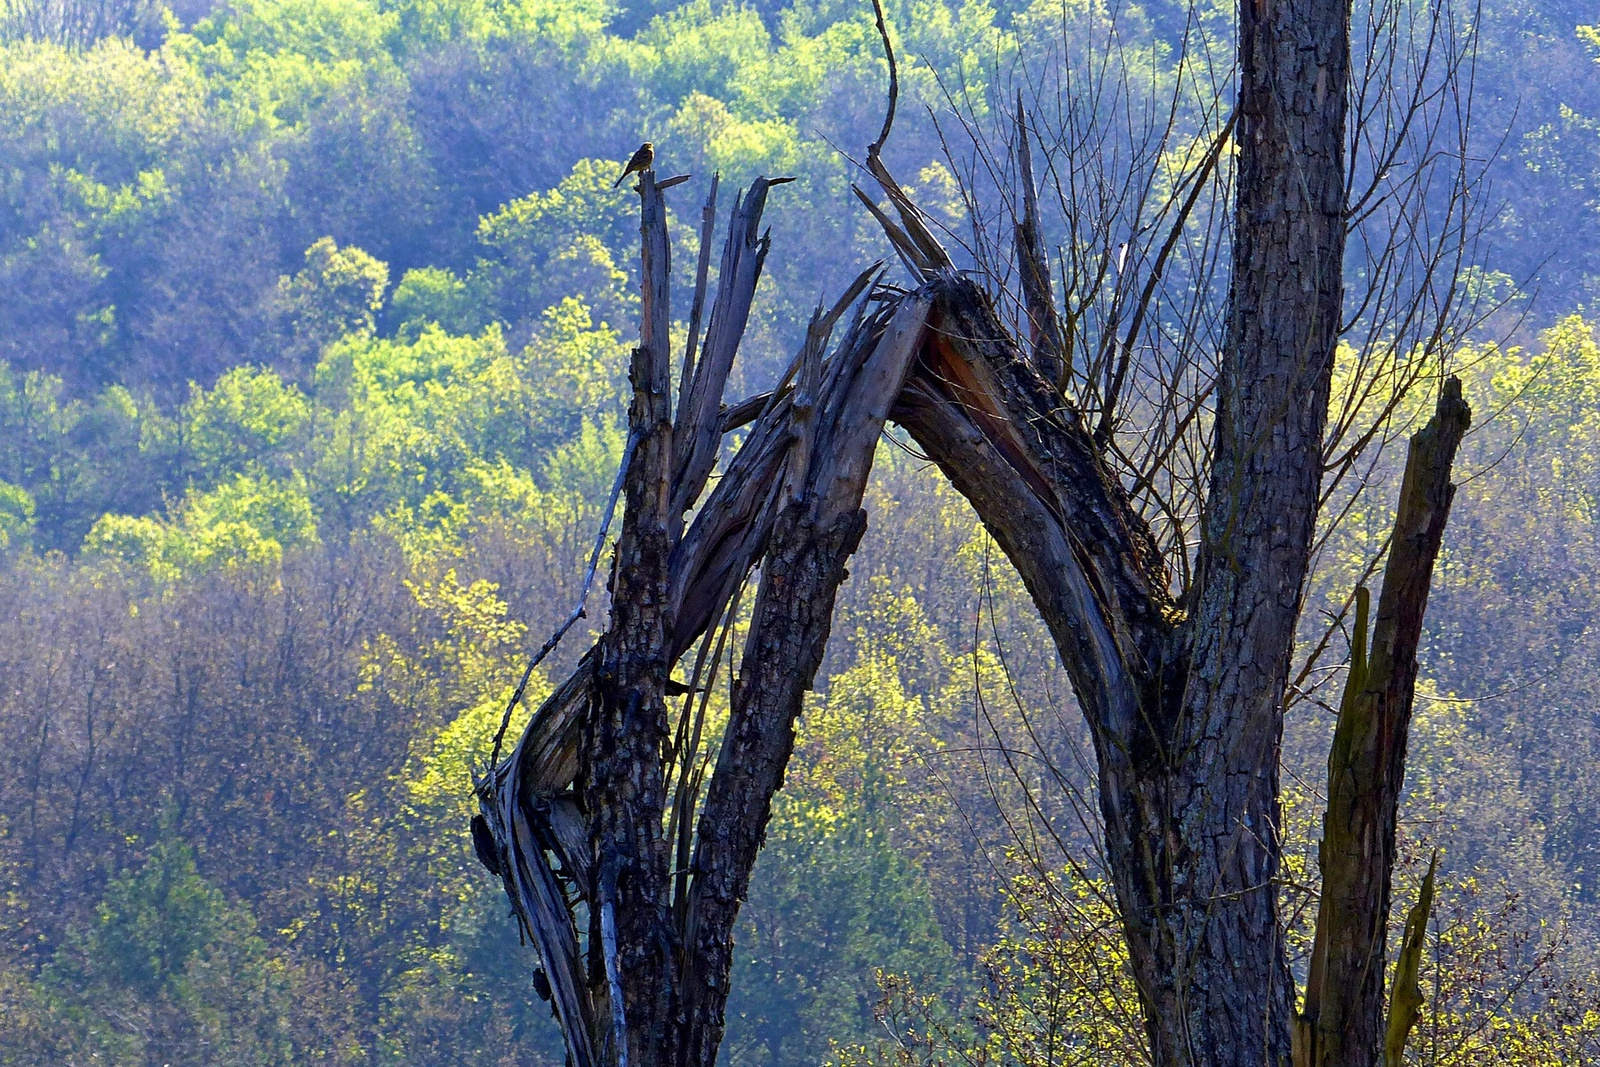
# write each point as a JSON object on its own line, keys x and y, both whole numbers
{"x": 630, "y": 906}
{"x": 629, "y": 883}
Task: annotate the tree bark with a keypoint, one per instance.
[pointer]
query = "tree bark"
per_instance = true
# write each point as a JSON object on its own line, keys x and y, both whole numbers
{"x": 1185, "y": 699}
{"x": 1212, "y": 957}
{"x": 576, "y": 820}
{"x": 1342, "y": 1022}
{"x": 625, "y": 789}
{"x": 820, "y": 526}
{"x": 1045, "y": 337}
{"x": 1185, "y": 708}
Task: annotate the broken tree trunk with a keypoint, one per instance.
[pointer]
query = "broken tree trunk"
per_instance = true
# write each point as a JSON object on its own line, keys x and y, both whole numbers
{"x": 1342, "y": 1020}
{"x": 588, "y": 822}
{"x": 1184, "y": 691}
{"x": 1045, "y": 336}
{"x": 1191, "y": 838}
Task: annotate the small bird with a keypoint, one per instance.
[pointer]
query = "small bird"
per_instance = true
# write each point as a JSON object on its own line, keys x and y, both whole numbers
{"x": 483, "y": 843}
{"x": 642, "y": 159}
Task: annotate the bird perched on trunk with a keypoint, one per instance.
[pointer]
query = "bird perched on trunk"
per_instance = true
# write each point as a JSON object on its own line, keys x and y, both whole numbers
{"x": 484, "y": 845}
{"x": 642, "y": 159}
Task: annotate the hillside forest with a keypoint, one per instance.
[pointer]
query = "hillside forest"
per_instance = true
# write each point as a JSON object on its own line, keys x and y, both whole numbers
{"x": 315, "y": 320}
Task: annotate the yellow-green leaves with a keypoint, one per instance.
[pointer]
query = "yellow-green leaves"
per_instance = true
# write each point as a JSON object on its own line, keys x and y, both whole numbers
{"x": 566, "y": 243}
{"x": 249, "y": 520}
{"x": 242, "y": 420}
{"x": 336, "y": 294}
{"x": 16, "y": 514}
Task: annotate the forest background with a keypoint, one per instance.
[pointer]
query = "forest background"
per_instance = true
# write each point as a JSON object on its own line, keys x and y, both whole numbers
{"x": 313, "y": 320}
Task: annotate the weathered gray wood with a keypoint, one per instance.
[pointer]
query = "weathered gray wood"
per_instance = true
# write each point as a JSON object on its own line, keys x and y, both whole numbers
{"x": 700, "y": 431}
{"x": 819, "y": 527}
{"x": 912, "y": 222}
{"x": 708, "y": 230}
{"x": 543, "y": 908}
{"x": 1050, "y": 348}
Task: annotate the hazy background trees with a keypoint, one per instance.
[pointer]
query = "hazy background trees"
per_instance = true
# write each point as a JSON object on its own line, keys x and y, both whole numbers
{"x": 313, "y": 318}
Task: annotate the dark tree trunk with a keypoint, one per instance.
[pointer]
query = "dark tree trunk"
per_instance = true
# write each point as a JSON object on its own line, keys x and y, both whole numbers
{"x": 588, "y": 822}
{"x": 1185, "y": 725}
{"x": 1183, "y": 692}
{"x": 838, "y": 420}
{"x": 1186, "y": 699}
{"x": 1212, "y": 961}
{"x": 625, "y": 792}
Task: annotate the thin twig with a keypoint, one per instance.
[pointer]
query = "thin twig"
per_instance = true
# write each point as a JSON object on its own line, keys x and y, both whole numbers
{"x": 571, "y": 620}
{"x": 894, "y": 82}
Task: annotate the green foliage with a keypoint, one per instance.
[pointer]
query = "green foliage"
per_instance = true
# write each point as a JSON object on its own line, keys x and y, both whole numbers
{"x": 242, "y": 421}
{"x": 706, "y": 48}
{"x": 153, "y": 922}
{"x": 1056, "y": 990}
{"x": 77, "y": 459}
{"x": 275, "y": 539}
{"x": 248, "y": 521}
{"x": 546, "y": 247}
{"x": 169, "y": 971}
{"x": 433, "y": 296}
{"x": 833, "y": 897}
{"x": 421, "y": 438}
{"x": 16, "y": 515}
{"x": 337, "y": 294}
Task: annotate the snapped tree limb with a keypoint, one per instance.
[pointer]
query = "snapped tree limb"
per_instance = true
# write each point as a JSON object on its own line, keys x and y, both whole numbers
{"x": 587, "y": 815}
{"x": 1341, "y": 1021}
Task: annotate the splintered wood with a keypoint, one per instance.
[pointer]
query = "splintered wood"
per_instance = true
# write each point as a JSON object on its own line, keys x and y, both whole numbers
{"x": 624, "y": 879}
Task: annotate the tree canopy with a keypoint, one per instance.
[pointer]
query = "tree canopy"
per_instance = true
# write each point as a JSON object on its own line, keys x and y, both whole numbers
{"x": 315, "y": 318}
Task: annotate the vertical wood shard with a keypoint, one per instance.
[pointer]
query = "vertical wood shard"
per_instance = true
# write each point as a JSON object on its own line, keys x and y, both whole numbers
{"x": 1341, "y": 1021}
{"x": 1405, "y": 1002}
{"x": 1050, "y": 353}
{"x": 700, "y": 432}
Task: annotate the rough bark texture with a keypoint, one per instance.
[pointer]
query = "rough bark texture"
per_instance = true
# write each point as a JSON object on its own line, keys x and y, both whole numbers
{"x": 1183, "y": 694}
{"x": 1186, "y": 700}
{"x": 820, "y": 526}
{"x": 576, "y": 822}
{"x": 1342, "y": 1023}
{"x": 625, "y": 790}
{"x": 1203, "y": 872}
{"x": 1185, "y": 708}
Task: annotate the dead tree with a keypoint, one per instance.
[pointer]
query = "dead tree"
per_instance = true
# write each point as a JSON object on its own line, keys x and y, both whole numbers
{"x": 628, "y": 882}
{"x": 624, "y": 879}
